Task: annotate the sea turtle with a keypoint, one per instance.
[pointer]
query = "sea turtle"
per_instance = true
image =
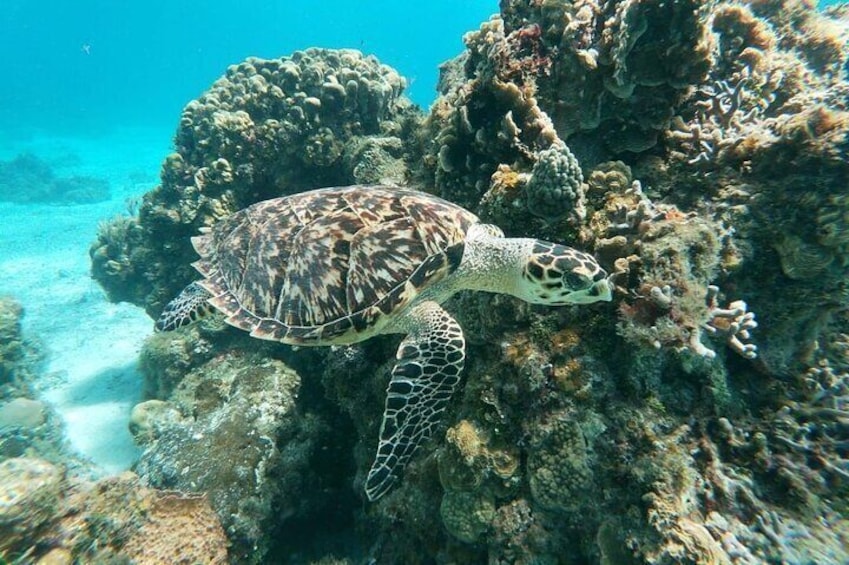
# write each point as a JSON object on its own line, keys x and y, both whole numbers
{"x": 340, "y": 265}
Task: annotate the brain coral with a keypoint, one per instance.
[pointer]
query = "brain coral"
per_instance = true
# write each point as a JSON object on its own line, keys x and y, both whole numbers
{"x": 266, "y": 128}
{"x": 558, "y": 467}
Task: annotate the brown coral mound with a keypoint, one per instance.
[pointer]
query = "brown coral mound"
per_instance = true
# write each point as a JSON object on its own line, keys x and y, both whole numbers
{"x": 178, "y": 529}
{"x": 46, "y": 515}
{"x": 266, "y": 128}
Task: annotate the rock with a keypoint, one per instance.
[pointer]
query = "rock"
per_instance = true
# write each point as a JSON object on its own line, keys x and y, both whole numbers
{"x": 29, "y": 494}
{"x": 22, "y": 413}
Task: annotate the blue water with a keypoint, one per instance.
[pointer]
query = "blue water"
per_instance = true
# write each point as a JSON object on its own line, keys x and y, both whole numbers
{"x": 88, "y": 65}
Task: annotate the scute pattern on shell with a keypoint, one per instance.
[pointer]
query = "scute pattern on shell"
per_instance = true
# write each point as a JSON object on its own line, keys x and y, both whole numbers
{"x": 327, "y": 264}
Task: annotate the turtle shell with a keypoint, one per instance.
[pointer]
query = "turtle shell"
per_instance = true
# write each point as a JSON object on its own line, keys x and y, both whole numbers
{"x": 329, "y": 265}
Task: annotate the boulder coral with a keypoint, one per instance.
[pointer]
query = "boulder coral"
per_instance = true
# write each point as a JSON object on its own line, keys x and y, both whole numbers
{"x": 28, "y": 426}
{"x": 266, "y": 128}
{"x": 14, "y": 368}
{"x": 229, "y": 431}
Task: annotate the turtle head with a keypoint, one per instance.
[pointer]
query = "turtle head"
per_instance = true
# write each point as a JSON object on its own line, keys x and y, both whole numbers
{"x": 554, "y": 274}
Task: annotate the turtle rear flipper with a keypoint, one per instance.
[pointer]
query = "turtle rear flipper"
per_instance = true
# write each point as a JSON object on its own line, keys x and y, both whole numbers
{"x": 430, "y": 360}
{"x": 190, "y": 305}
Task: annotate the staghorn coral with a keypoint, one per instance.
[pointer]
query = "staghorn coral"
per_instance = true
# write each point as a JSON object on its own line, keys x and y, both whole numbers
{"x": 762, "y": 134}
{"x": 814, "y": 431}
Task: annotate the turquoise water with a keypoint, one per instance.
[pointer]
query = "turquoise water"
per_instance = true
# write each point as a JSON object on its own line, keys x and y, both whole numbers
{"x": 565, "y": 405}
{"x": 94, "y": 64}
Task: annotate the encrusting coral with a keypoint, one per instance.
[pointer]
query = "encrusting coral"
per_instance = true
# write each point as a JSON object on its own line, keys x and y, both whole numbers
{"x": 697, "y": 148}
{"x": 46, "y": 517}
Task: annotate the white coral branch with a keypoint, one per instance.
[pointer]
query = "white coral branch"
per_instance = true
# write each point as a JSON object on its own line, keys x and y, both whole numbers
{"x": 734, "y": 322}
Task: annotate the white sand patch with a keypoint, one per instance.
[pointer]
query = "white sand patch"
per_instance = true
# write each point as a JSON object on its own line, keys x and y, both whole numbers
{"x": 92, "y": 344}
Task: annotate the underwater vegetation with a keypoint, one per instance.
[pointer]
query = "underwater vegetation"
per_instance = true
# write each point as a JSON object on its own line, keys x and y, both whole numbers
{"x": 698, "y": 149}
{"x": 30, "y": 179}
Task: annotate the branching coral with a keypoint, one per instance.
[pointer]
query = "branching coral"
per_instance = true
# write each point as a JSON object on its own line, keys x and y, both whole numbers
{"x": 721, "y": 125}
{"x": 816, "y": 429}
{"x": 733, "y": 322}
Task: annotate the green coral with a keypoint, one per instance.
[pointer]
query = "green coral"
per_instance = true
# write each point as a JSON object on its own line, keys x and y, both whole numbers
{"x": 466, "y": 515}
{"x": 555, "y": 187}
{"x": 559, "y": 470}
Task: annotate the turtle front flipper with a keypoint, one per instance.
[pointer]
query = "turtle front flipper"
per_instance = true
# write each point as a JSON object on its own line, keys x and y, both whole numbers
{"x": 430, "y": 360}
{"x": 189, "y": 306}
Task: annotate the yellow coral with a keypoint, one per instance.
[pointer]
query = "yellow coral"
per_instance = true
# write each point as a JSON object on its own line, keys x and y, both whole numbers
{"x": 565, "y": 341}
{"x": 466, "y": 437}
{"x": 179, "y": 529}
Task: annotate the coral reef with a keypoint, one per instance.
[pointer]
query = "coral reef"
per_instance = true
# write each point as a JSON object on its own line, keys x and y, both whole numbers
{"x": 28, "y": 179}
{"x": 13, "y": 349}
{"x": 52, "y": 512}
{"x": 266, "y": 128}
{"x": 27, "y": 426}
{"x": 697, "y": 148}
{"x": 46, "y": 517}
{"x": 230, "y": 430}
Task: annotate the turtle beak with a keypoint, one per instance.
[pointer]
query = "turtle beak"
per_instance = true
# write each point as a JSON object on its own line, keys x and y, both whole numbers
{"x": 601, "y": 290}
{"x": 598, "y": 292}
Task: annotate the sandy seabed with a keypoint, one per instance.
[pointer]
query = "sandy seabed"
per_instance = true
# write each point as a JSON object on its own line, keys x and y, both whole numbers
{"x": 91, "y": 344}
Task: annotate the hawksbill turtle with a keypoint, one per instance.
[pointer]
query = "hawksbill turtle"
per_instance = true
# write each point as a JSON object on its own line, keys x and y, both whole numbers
{"x": 340, "y": 265}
